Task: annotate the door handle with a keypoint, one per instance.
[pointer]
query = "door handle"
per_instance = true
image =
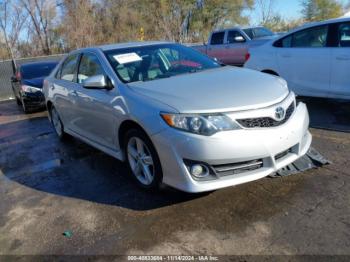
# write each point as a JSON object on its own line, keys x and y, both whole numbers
{"x": 343, "y": 58}
{"x": 74, "y": 92}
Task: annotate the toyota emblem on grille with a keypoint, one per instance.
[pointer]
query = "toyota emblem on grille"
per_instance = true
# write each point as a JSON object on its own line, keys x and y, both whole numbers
{"x": 279, "y": 113}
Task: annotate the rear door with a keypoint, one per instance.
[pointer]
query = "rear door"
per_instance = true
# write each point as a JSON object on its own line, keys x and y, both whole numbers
{"x": 236, "y": 48}
{"x": 64, "y": 87}
{"x": 304, "y": 61}
{"x": 340, "y": 60}
{"x": 216, "y": 46}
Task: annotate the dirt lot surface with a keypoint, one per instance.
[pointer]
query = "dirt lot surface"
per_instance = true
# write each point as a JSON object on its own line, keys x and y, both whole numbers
{"x": 48, "y": 187}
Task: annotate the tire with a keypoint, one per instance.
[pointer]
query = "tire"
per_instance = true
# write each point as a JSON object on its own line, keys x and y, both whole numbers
{"x": 57, "y": 123}
{"x": 142, "y": 160}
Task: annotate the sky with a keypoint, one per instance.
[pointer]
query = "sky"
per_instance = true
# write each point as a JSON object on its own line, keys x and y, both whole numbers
{"x": 289, "y": 9}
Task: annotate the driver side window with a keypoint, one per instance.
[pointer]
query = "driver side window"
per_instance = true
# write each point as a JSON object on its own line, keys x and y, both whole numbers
{"x": 89, "y": 66}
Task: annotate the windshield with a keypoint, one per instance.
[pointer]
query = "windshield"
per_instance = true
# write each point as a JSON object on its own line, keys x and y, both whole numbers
{"x": 146, "y": 63}
{"x": 37, "y": 70}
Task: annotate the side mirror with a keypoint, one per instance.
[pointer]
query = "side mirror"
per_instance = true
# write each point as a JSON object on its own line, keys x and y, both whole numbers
{"x": 14, "y": 79}
{"x": 97, "y": 82}
{"x": 239, "y": 39}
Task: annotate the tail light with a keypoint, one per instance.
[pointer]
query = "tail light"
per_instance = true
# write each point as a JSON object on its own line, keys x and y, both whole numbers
{"x": 247, "y": 56}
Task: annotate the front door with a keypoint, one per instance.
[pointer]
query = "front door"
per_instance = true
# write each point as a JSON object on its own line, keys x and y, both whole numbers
{"x": 236, "y": 48}
{"x": 96, "y": 119}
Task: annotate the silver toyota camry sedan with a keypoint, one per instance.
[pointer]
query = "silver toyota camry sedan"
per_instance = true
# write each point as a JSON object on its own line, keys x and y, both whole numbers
{"x": 176, "y": 116}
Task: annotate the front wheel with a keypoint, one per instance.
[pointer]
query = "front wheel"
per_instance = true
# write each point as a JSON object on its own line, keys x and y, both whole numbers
{"x": 142, "y": 160}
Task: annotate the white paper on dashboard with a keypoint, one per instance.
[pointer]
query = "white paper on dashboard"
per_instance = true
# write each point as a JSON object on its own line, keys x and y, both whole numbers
{"x": 127, "y": 58}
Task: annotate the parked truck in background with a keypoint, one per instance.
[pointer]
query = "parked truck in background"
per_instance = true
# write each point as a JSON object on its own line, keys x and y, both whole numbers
{"x": 230, "y": 46}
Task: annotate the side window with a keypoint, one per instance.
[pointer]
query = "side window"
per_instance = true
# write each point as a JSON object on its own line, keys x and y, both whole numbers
{"x": 89, "y": 66}
{"x": 217, "y": 38}
{"x": 287, "y": 41}
{"x": 312, "y": 37}
{"x": 344, "y": 35}
{"x": 233, "y": 36}
{"x": 69, "y": 68}
{"x": 249, "y": 32}
{"x": 284, "y": 42}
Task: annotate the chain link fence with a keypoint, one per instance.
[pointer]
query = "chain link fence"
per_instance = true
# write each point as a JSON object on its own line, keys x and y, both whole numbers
{"x": 6, "y": 71}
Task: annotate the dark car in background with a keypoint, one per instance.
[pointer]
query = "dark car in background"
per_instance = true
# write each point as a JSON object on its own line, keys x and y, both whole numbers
{"x": 27, "y": 84}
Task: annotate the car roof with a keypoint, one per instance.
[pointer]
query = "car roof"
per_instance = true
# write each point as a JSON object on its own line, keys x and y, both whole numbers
{"x": 38, "y": 63}
{"x": 325, "y": 22}
{"x": 313, "y": 24}
{"x": 125, "y": 45}
{"x": 225, "y": 29}
{"x": 253, "y": 27}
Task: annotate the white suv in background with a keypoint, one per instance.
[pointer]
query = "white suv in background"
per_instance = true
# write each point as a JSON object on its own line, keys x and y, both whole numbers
{"x": 314, "y": 59}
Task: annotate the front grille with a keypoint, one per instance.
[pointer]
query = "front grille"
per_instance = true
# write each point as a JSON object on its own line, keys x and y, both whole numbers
{"x": 266, "y": 121}
{"x": 237, "y": 168}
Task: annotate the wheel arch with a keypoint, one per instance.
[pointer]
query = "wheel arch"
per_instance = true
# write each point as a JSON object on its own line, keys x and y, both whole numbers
{"x": 124, "y": 128}
{"x": 269, "y": 71}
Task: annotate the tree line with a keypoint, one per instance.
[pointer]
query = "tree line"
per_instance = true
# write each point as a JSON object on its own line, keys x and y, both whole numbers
{"x": 44, "y": 27}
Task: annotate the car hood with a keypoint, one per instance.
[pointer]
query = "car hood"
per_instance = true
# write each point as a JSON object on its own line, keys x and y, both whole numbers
{"x": 36, "y": 82}
{"x": 217, "y": 90}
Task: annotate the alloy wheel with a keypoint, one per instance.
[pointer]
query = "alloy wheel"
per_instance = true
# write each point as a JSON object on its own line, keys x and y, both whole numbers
{"x": 141, "y": 161}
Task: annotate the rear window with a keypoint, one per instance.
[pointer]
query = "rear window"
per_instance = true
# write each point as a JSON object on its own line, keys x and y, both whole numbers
{"x": 217, "y": 38}
{"x": 307, "y": 38}
{"x": 37, "y": 70}
{"x": 312, "y": 37}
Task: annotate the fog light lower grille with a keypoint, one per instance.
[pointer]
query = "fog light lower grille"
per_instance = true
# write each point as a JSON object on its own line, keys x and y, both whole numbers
{"x": 238, "y": 168}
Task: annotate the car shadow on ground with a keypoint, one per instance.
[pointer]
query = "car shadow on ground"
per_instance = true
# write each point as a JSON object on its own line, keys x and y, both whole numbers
{"x": 32, "y": 155}
{"x": 329, "y": 114}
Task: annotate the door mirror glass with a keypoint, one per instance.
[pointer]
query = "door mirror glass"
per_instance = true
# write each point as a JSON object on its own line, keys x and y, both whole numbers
{"x": 239, "y": 39}
{"x": 95, "y": 82}
{"x": 234, "y": 36}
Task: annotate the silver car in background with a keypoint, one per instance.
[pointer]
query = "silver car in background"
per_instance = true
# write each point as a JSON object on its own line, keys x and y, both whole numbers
{"x": 176, "y": 116}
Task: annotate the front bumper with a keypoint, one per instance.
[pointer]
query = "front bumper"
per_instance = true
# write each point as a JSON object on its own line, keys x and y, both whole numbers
{"x": 33, "y": 100}
{"x": 292, "y": 139}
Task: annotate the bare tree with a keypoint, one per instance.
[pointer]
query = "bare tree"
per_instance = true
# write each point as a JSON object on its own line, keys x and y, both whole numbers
{"x": 265, "y": 10}
{"x": 12, "y": 20}
{"x": 42, "y": 14}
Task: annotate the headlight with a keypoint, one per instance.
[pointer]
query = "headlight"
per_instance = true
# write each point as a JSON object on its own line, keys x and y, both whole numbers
{"x": 30, "y": 89}
{"x": 200, "y": 124}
